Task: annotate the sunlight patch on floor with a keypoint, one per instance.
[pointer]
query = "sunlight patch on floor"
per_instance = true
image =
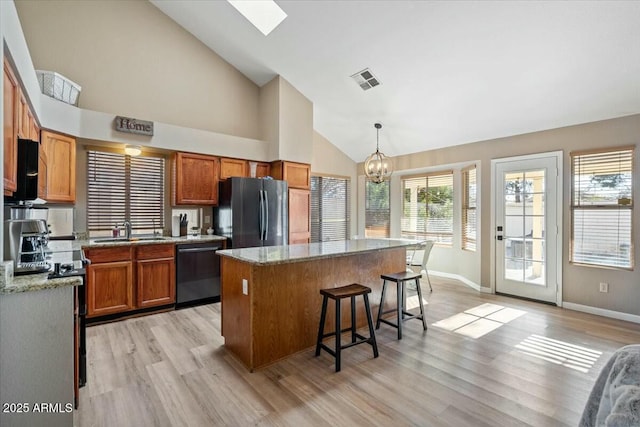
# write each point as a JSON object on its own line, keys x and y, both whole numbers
{"x": 559, "y": 352}
{"x": 480, "y": 320}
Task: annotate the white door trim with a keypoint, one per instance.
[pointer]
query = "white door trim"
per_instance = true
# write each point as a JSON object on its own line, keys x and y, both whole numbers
{"x": 559, "y": 217}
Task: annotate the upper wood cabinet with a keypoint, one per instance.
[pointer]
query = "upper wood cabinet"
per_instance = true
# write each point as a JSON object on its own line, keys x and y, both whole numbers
{"x": 60, "y": 153}
{"x": 195, "y": 179}
{"x": 42, "y": 174}
{"x": 297, "y": 175}
{"x": 25, "y": 117}
{"x": 233, "y": 167}
{"x": 263, "y": 169}
{"x": 11, "y": 95}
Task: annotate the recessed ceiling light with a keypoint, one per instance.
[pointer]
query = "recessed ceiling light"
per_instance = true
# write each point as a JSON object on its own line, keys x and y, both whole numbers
{"x": 265, "y": 15}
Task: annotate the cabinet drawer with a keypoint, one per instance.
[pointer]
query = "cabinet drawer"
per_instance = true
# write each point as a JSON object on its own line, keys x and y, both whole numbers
{"x": 120, "y": 253}
{"x": 155, "y": 251}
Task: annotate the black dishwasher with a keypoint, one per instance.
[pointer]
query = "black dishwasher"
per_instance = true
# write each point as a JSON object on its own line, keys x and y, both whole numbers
{"x": 197, "y": 273}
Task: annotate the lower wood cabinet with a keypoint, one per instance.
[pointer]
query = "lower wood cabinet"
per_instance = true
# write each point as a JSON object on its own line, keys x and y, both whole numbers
{"x": 127, "y": 278}
{"x": 109, "y": 288}
{"x": 109, "y": 281}
{"x": 156, "y": 275}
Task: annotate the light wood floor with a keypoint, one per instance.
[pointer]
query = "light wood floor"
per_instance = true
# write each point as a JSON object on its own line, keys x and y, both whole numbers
{"x": 171, "y": 369}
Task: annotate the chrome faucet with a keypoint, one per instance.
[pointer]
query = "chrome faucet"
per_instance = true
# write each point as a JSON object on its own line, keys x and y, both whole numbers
{"x": 127, "y": 229}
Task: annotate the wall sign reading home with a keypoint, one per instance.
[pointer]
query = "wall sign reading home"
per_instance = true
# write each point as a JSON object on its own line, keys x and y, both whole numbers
{"x": 129, "y": 125}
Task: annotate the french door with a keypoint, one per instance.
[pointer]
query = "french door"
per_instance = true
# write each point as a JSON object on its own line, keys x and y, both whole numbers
{"x": 527, "y": 215}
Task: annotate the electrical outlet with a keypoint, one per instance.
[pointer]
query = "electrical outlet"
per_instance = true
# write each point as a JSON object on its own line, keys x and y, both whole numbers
{"x": 604, "y": 287}
{"x": 245, "y": 287}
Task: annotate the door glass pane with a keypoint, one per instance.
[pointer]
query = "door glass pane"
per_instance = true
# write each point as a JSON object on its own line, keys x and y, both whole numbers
{"x": 524, "y": 222}
{"x": 535, "y": 273}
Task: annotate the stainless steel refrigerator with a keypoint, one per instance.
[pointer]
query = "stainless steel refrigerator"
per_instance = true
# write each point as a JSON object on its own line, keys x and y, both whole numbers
{"x": 252, "y": 212}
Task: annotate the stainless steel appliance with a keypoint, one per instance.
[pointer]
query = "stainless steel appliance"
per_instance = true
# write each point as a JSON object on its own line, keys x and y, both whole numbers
{"x": 252, "y": 212}
{"x": 25, "y": 243}
{"x": 27, "y": 173}
{"x": 197, "y": 273}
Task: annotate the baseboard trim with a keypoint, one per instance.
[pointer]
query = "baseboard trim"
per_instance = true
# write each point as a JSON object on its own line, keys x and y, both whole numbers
{"x": 602, "y": 312}
{"x": 463, "y": 279}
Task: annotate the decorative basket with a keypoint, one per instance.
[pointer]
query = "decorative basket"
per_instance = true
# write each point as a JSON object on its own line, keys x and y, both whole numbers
{"x": 58, "y": 87}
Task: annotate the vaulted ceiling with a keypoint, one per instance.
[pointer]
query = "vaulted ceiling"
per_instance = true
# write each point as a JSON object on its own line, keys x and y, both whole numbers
{"x": 451, "y": 72}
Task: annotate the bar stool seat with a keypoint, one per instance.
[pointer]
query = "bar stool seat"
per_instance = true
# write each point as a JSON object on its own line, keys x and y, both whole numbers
{"x": 400, "y": 279}
{"x": 337, "y": 294}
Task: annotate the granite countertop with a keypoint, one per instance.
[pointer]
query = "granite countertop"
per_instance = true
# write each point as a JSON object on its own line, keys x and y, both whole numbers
{"x": 99, "y": 243}
{"x": 60, "y": 252}
{"x": 38, "y": 282}
{"x": 309, "y": 251}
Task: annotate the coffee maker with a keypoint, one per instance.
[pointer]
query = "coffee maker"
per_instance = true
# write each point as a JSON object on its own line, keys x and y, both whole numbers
{"x": 25, "y": 243}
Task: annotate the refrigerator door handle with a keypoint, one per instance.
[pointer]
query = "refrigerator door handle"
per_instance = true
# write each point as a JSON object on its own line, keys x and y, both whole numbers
{"x": 261, "y": 226}
{"x": 266, "y": 215}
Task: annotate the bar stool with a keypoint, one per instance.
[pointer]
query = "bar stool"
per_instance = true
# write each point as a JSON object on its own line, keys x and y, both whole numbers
{"x": 337, "y": 294}
{"x": 400, "y": 280}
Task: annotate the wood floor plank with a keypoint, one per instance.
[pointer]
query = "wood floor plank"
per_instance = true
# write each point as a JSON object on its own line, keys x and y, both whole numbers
{"x": 172, "y": 369}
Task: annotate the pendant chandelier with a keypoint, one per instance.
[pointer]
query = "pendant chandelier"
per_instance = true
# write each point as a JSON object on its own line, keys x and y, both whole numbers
{"x": 378, "y": 167}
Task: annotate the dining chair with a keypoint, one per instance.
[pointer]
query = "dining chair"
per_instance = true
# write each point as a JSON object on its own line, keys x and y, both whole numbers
{"x": 425, "y": 247}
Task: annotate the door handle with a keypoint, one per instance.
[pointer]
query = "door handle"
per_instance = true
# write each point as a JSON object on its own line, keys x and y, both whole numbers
{"x": 498, "y": 237}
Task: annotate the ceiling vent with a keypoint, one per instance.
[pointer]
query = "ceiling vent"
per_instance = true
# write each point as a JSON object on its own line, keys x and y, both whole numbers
{"x": 365, "y": 79}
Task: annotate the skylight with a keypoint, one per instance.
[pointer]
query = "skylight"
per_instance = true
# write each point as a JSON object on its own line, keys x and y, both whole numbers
{"x": 265, "y": 15}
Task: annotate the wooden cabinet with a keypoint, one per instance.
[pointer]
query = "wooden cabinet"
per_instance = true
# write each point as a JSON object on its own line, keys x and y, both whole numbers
{"x": 195, "y": 179}
{"x": 11, "y": 94}
{"x": 25, "y": 118}
{"x": 299, "y": 218}
{"x": 297, "y": 175}
{"x": 263, "y": 169}
{"x": 42, "y": 174}
{"x": 109, "y": 281}
{"x": 156, "y": 275}
{"x": 233, "y": 167}
{"x": 126, "y": 278}
{"x": 60, "y": 153}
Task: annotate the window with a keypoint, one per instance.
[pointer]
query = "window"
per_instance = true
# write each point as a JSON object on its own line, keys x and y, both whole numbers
{"x": 427, "y": 207}
{"x": 602, "y": 207}
{"x": 330, "y": 208}
{"x": 376, "y": 211}
{"x": 469, "y": 205}
{"x": 122, "y": 187}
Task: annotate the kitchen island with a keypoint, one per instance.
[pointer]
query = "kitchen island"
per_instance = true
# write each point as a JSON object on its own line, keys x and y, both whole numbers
{"x": 276, "y": 311}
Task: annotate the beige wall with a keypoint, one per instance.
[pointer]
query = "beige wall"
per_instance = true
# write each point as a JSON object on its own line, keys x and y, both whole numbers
{"x": 580, "y": 284}
{"x": 135, "y": 61}
{"x": 286, "y": 121}
{"x": 269, "y": 110}
{"x": 296, "y": 124}
{"x": 327, "y": 159}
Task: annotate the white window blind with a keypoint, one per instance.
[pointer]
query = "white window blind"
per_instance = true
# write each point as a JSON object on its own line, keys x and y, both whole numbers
{"x": 377, "y": 213}
{"x": 602, "y": 207}
{"x": 121, "y": 187}
{"x": 330, "y": 208}
{"x": 469, "y": 216}
{"x": 427, "y": 207}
